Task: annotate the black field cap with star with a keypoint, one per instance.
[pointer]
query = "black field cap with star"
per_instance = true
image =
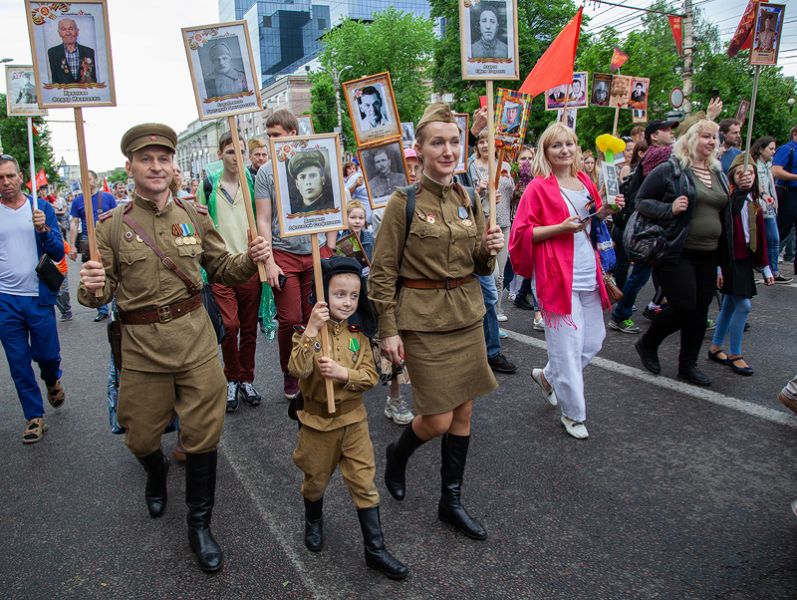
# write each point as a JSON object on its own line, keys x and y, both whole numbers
{"x": 301, "y": 160}
{"x": 148, "y": 134}
{"x": 438, "y": 112}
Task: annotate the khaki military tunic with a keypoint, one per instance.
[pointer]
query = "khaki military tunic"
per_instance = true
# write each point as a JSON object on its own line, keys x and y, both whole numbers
{"x": 172, "y": 366}
{"x": 340, "y": 439}
{"x": 441, "y": 329}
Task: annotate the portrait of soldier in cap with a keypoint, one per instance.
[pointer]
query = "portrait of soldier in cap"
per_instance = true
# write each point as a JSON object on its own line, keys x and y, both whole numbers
{"x": 308, "y": 172}
{"x": 224, "y": 79}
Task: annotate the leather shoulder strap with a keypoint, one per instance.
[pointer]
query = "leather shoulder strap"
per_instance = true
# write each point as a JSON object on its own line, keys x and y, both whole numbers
{"x": 167, "y": 262}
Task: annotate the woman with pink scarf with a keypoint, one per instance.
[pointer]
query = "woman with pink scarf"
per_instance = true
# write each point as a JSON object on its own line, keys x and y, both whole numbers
{"x": 550, "y": 240}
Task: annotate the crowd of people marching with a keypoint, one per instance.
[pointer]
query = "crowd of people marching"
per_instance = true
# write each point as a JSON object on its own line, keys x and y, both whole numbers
{"x": 178, "y": 276}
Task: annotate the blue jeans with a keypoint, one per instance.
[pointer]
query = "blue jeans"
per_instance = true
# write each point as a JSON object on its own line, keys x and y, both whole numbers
{"x": 28, "y": 333}
{"x": 773, "y": 243}
{"x": 490, "y": 294}
{"x": 732, "y": 317}
{"x": 635, "y": 282}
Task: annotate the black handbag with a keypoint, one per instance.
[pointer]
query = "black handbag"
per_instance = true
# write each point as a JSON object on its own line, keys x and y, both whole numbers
{"x": 209, "y": 301}
{"x": 48, "y": 272}
{"x": 644, "y": 239}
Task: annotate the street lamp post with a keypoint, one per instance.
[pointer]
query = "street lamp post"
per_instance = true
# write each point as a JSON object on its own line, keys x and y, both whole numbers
{"x": 791, "y": 102}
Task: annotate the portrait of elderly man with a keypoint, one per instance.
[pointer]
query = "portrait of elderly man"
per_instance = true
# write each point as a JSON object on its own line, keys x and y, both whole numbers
{"x": 600, "y": 93}
{"x": 71, "y": 62}
{"x": 308, "y": 172}
{"x": 485, "y": 14}
{"x": 382, "y": 178}
{"x": 225, "y": 79}
{"x": 510, "y": 119}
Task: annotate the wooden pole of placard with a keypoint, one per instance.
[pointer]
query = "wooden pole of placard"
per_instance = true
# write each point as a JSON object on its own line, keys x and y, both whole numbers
{"x": 88, "y": 203}
{"x": 319, "y": 295}
{"x": 752, "y": 117}
{"x": 33, "y": 190}
{"x": 250, "y": 214}
{"x": 616, "y": 113}
{"x": 491, "y": 150}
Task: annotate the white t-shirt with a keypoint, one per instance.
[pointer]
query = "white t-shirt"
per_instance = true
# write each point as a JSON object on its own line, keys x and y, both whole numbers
{"x": 584, "y": 269}
{"x": 18, "y": 254}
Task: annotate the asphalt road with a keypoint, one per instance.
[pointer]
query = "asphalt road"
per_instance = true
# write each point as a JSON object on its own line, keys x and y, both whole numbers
{"x": 678, "y": 493}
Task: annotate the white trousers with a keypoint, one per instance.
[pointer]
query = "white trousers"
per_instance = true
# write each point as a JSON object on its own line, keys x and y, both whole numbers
{"x": 570, "y": 350}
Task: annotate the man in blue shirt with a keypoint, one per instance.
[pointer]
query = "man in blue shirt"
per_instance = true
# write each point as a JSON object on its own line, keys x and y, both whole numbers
{"x": 784, "y": 170}
{"x": 731, "y": 136}
{"x": 101, "y": 202}
{"x": 28, "y": 229}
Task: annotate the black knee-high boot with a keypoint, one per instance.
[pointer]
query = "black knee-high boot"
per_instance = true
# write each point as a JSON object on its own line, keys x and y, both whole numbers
{"x": 200, "y": 489}
{"x": 314, "y": 524}
{"x": 454, "y": 453}
{"x": 157, "y": 466}
{"x": 376, "y": 555}
{"x": 398, "y": 453}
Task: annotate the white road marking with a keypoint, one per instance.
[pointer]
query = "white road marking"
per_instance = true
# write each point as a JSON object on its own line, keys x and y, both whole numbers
{"x": 743, "y": 406}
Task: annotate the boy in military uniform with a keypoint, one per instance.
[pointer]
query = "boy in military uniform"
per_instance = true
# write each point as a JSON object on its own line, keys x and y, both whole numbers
{"x": 327, "y": 440}
{"x": 151, "y": 252}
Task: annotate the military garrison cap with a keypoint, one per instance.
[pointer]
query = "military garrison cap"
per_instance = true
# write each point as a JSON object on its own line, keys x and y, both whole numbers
{"x": 148, "y": 134}
{"x": 301, "y": 160}
{"x": 439, "y": 111}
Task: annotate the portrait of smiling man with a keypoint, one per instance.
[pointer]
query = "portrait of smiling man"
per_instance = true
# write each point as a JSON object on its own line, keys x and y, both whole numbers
{"x": 71, "y": 62}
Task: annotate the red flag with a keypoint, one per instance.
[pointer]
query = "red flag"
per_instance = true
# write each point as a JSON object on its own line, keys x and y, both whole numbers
{"x": 619, "y": 58}
{"x": 35, "y": 131}
{"x": 676, "y": 24}
{"x": 555, "y": 66}
{"x": 743, "y": 38}
{"x": 105, "y": 187}
{"x": 41, "y": 179}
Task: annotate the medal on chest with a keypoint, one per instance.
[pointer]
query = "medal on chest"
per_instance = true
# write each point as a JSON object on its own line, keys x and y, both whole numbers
{"x": 354, "y": 346}
{"x": 462, "y": 213}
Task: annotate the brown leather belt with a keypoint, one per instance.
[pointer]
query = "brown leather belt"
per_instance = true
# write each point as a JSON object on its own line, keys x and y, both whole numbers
{"x": 433, "y": 284}
{"x": 164, "y": 314}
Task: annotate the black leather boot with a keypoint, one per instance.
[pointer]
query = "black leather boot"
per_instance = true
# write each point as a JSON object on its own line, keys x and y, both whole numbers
{"x": 314, "y": 524}
{"x": 398, "y": 453}
{"x": 376, "y": 555}
{"x": 200, "y": 488}
{"x": 454, "y": 451}
{"x": 157, "y": 466}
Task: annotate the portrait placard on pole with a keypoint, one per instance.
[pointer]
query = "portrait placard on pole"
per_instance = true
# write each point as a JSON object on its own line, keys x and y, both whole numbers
{"x": 71, "y": 47}
{"x": 372, "y": 108}
{"x": 767, "y": 29}
{"x": 488, "y": 31}
{"x": 21, "y": 92}
{"x": 385, "y": 169}
{"x": 222, "y": 69}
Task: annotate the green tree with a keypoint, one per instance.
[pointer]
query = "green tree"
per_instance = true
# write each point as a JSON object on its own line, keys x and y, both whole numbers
{"x": 119, "y": 174}
{"x": 14, "y": 136}
{"x": 394, "y": 41}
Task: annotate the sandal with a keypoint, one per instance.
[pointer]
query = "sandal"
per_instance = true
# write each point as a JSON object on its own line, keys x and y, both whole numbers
{"x": 34, "y": 431}
{"x": 747, "y": 370}
{"x": 715, "y": 356}
{"x": 56, "y": 394}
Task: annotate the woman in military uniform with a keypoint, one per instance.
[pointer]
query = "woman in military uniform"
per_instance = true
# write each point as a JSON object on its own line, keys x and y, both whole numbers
{"x": 434, "y": 318}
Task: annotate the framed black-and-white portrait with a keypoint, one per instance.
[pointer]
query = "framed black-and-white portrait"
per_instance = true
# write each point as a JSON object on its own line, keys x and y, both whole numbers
{"x": 385, "y": 169}
{"x": 574, "y": 95}
{"x": 372, "y": 108}
{"x": 570, "y": 120}
{"x": 610, "y": 180}
{"x": 71, "y": 49}
{"x": 222, "y": 69}
{"x": 511, "y": 116}
{"x": 305, "y": 125}
{"x": 408, "y": 134}
{"x": 21, "y": 92}
{"x": 766, "y": 33}
{"x": 488, "y": 31}
{"x": 601, "y": 86}
{"x": 463, "y": 122}
{"x": 308, "y": 184}
{"x": 640, "y": 88}
{"x": 639, "y": 115}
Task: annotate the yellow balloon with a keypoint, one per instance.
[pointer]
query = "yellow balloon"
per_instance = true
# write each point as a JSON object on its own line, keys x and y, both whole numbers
{"x": 609, "y": 143}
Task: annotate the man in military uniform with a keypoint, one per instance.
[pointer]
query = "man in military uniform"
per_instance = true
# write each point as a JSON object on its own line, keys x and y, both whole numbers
{"x": 307, "y": 169}
{"x": 225, "y": 80}
{"x": 385, "y": 179}
{"x": 151, "y": 252}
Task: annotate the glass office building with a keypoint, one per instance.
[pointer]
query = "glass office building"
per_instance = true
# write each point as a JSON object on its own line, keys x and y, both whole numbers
{"x": 286, "y": 35}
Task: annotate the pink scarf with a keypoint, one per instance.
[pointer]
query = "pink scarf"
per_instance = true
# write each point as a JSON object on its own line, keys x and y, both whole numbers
{"x": 550, "y": 261}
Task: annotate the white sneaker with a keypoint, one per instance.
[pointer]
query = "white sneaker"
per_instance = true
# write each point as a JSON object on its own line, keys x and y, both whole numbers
{"x": 232, "y": 396}
{"x": 549, "y": 393}
{"x": 539, "y": 325}
{"x": 575, "y": 428}
{"x": 502, "y": 317}
{"x": 397, "y": 409}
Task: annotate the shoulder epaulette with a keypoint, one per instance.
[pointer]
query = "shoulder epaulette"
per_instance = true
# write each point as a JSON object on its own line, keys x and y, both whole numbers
{"x": 354, "y": 328}
{"x": 299, "y": 328}
{"x": 106, "y": 215}
{"x": 201, "y": 209}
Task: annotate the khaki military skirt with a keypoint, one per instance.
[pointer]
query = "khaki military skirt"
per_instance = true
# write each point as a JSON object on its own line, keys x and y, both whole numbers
{"x": 447, "y": 368}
